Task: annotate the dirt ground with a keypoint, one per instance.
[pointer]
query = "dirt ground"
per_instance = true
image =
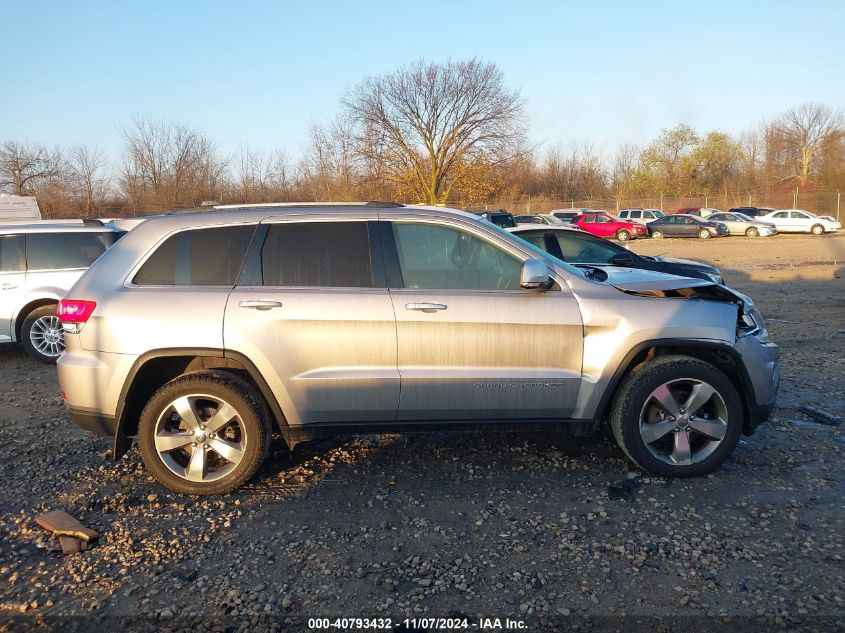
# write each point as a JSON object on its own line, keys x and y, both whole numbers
{"x": 518, "y": 526}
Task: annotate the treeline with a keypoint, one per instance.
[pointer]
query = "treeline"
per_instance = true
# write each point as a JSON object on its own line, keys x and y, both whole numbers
{"x": 437, "y": 134}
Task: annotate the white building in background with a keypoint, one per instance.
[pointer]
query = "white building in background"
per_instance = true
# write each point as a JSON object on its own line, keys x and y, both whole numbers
{"x": 18, "y": 208}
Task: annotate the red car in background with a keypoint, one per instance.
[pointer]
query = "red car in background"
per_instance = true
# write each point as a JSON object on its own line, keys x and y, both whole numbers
{"x": 603, "y": 224}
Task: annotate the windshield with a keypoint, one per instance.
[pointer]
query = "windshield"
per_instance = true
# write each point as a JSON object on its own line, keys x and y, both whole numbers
{"x": 743, "y": 218}
{"x": 539, "y": 251}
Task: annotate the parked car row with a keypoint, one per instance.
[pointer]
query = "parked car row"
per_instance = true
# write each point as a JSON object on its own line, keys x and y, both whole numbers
{"x": 699, "y": 222}
{"x": 783, "y": 220}
{"x": 202, "y": 334}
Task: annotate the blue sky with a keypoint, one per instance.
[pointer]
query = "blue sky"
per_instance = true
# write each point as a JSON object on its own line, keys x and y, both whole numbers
{"x": 259, "y": 73}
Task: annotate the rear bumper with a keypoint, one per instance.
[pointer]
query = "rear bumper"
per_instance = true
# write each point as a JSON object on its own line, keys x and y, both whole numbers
{"x": 94, "y": 422}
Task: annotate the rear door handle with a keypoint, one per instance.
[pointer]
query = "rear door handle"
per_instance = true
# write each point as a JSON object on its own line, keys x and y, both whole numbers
{"x": 260, "y": 304}
{"x": 426, "y": 307}
{"x": 8, "y": 286}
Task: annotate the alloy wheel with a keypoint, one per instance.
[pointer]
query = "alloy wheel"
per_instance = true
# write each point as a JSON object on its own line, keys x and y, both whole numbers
{"x": 683, "y": 421}
{"x": 47, "y": 337}
{"x": 200, "y": 438}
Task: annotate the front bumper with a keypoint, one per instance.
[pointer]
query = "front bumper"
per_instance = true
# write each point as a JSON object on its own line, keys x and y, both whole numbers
{"x": 763, "y": 369}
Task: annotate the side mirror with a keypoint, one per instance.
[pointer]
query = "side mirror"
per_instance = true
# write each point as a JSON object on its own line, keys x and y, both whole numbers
{"x": 535, "y": 275}
{"x": 622, "y": 259}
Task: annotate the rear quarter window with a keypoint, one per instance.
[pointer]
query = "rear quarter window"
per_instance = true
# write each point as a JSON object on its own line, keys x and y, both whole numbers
{"x": 57, "y": 251}
{"x": 198, "y": 257}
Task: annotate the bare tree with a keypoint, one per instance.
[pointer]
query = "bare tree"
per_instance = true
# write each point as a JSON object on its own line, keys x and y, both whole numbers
{"x": 804, "y": 131}
{"x": 422, "y": 121}
{"x": 85, "y": 171}
{"x": 167, "y": 165}
{"x": 623, "y": 171}
{"x": 331, "y": 162}
{"x": 25, "y": 167}
{"x": 262, "y": 176}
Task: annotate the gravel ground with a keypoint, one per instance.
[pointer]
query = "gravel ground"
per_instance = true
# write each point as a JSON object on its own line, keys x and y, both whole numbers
{"x": 519, "y": 526}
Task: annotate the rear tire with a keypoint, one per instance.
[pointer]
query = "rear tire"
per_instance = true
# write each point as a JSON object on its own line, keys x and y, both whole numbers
{"x": 704, "y": 234}
{"x": 657, "y": 235}
{"x": 622, "y": 235}
{"x": 817, "y": 229}
{"x": 42, "y": 336}
{"x": 752, "y": 232}
{"x": 192, "y": 451}
{"x": 645, "y": 430}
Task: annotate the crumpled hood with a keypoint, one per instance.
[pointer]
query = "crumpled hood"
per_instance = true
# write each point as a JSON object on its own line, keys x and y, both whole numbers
{"x": 686, "y": 262}
{"x": 651, "y": 283}
{"x": 638, "y": 279}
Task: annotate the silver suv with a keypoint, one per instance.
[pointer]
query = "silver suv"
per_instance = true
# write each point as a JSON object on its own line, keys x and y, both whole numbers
{"x": 203, "y": 334}
{"x": 38, "y": 263}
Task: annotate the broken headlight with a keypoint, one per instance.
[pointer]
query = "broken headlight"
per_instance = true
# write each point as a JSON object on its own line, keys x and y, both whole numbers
{"x": 750, "y": 323}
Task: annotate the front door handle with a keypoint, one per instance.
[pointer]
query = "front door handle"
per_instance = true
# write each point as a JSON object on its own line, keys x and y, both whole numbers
{"x": 426, "y": 307}
{"x": 8, "y": 286}
{"x": 260, "y": 304}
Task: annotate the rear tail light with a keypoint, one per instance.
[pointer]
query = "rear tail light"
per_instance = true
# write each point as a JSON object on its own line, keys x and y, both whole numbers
{"x": 74, "y": 314}
{"x": 75, "y": 310}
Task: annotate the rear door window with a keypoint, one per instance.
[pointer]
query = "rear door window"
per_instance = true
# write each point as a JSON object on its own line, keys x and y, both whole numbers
{"x": 12, "y": 258}
{"x": 61, "y": 251}
{"x": 317, "y": 254}
{"x": 198, "y": 257}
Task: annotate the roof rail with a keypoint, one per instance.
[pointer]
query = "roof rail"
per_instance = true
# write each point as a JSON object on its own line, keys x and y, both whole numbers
{"x": 379, "y": 204}
{"x": 92, "y": 222}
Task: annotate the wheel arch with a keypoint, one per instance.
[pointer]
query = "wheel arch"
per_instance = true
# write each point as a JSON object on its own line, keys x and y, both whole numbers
{"x": 721, "y": 355}
{"x": 27, "y": 308}
{"x": 155, "y": 368}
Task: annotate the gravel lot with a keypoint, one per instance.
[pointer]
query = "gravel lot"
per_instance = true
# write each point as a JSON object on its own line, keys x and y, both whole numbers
{"x": 498, "y": 525}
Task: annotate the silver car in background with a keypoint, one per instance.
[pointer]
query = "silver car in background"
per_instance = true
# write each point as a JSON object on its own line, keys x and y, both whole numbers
{"x": 203, "y": 334}
{"x": 38, "y": 263}
{"x": 741, "y": 224}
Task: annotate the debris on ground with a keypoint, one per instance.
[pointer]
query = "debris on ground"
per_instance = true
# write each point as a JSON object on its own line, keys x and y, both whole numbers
{"x": 73, "y": 537}
{"x": 625, "y": 490}
{"x": 820, "y": 416}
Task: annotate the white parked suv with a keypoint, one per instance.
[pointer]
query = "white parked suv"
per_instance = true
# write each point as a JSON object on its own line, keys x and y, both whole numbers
{"x": 39, "y": 262}
{"x": 640, "y": 216}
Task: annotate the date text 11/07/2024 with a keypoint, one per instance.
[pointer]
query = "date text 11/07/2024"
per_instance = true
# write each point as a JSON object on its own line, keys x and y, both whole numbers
{"x": 417, "y": 624}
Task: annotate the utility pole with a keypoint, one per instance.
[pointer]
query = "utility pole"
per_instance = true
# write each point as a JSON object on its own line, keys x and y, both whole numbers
{"x": 661, "y": 201}
{"x": 838, "y": 195}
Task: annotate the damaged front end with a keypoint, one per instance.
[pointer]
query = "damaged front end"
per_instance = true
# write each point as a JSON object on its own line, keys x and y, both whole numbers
{"x": 749, "y": 320}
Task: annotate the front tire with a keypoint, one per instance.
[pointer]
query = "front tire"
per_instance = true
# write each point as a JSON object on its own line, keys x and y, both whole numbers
{"x": 704, "y": 234}
{"x": 817, "y": 229}
{"x": 204, "y": 433}
{"x": 677, "y": 416}
{"x": 752, "y": 232}
{"x": 42, "y": 335}
{"x": 657, "y": 235}
{"x": 622, "y": 235}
